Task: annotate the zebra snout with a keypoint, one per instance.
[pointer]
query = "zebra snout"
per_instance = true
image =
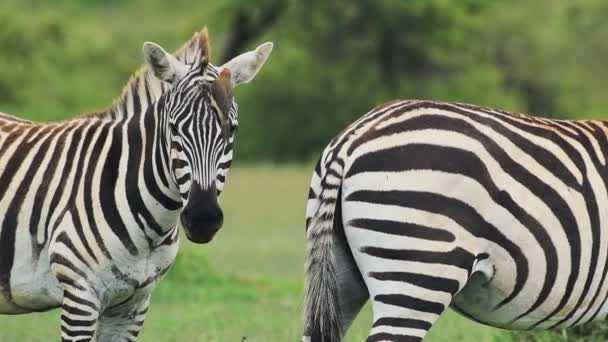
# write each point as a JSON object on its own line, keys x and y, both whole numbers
{"x": 201, "y": 226}
{"x": 202, "y": 216}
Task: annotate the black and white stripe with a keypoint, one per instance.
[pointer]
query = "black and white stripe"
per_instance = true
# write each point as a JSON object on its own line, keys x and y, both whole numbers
{"x": 89, "y": 207}
{"x": 420, "y": 205}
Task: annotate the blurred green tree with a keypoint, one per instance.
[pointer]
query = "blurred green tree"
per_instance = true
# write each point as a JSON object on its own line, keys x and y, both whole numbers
{"x": 51, "y": 70}
{"x": 332, "y": 62}
{"x": 336, "y": 60}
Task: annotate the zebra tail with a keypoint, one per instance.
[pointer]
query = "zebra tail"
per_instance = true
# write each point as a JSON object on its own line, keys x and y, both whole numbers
{"x": 322, "y": 314}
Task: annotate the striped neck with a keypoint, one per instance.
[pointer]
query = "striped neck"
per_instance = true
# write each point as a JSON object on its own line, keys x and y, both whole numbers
{"x": 140, "y": 149}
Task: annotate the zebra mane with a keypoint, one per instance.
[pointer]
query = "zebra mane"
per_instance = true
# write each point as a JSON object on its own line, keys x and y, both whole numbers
{"x": 143, "y": 83}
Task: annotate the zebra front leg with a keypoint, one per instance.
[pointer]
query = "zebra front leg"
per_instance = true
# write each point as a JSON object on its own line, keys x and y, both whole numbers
{"x": 123, "y": 322}
{"x": 79, "y": 313}
{"x": 81, "y": 304}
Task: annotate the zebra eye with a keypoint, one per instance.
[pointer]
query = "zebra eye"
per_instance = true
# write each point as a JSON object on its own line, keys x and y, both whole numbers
{"x": 233, "y": 129}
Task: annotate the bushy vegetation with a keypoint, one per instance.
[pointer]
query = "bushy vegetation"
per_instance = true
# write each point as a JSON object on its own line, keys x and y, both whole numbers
{"x": 333, "y": 60}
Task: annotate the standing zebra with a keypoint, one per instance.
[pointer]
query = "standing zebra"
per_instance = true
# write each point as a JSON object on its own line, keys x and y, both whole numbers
{"x": 89, "y": 206}
{"x": 420, "y": 205}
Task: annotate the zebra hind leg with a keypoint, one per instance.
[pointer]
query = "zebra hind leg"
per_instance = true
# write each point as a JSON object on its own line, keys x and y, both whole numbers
{"x": 123, "y": 322}
{"x": 352, "y": 293}
{"x": 407, "y": 303}
{"x": 410, "y": 284}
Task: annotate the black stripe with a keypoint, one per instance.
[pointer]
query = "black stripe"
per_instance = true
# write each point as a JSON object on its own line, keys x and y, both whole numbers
{"x": 88, "y": 193}
{"x": 65, "y": 240}
{"x": 135, "y": 201}
{"x": 224, "y": 165}
{"x": 434, "y": 283}
{"x": 457, "y": 257}
{"x": 143, "y": 311}
{"x": 318, "y": 167}
{"x": 109, "y": 177}
{"x": 392, "y": 337}
{"x": 72, "y": 297}
{"x": 311, "y": 193}
{"x": 65, "y": 280}
{"x": 155, "y": 136}
{"x": 183, "y": 179}
{"x": 308, "y": 219}
{"x": 12, "y": 165}
{"x": 179, "y": 163}
{"x": 410, "y": 302}
{"x": 403, "y": 229}
{"x": 342, "y": 138}
{"x": 74, "y": 310}
{"x": 78, "y": 322}
{"x": 59, "y": 259}
{"x": 77, "y": 333}
{"x": 157, "y": 124}
{"x": 402, "y": 323}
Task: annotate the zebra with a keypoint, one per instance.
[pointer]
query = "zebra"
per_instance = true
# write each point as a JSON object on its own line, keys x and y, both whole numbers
{"x": 421, "y": 205}
{"x": 89, "y": 207}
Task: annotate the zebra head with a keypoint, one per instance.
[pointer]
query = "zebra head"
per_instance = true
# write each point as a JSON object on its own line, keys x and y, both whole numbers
{"x": 201, "y": 119}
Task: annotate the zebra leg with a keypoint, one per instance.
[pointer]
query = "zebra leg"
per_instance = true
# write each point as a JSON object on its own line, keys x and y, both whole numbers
{"x": 406, "y": 303}
{"x": 352, "y": 293}
{"x": 123, "y": 322}
{"x": 81, "y": 305}
{"x": 79, "y": 313}
{"x": 410, "y": 283}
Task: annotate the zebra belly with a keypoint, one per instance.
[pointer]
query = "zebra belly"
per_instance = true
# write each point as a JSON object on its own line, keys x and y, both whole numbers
{"x": 33, "y": 287}
{"x": 480, "y": 298}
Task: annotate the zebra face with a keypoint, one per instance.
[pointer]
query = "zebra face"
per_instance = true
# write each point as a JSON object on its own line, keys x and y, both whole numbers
{"x": 202, "y": 120}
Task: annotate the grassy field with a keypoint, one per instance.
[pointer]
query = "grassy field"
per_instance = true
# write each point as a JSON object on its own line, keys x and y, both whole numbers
{"x": 246, "y": 284}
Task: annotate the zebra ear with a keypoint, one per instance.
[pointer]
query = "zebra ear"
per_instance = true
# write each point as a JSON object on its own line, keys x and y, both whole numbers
{"x": 163, "y": 65}
{"x": 244, "y": 67}
{"x": 221, "y": 89}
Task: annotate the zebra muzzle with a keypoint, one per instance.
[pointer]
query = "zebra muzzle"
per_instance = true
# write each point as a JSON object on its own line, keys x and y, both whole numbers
{"x": 202, "y": 216}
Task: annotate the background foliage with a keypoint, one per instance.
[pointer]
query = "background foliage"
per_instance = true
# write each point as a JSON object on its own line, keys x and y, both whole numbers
{"x": 333, "y": 61}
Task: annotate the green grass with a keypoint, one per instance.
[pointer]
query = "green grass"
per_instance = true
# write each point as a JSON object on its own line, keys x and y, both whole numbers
{"x": 248, "y": 282}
